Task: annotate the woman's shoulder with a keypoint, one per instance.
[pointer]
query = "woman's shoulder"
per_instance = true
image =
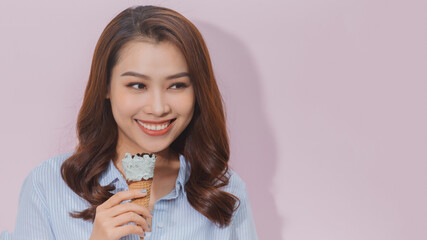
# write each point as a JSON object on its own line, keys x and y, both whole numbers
{"x": 48, "y": 169}
{"x": 52, "y": 163}
{"x": 45, "y": 183}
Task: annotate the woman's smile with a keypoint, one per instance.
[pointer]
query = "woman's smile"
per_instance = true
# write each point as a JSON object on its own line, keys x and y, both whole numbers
{"x": 156, "y": 129}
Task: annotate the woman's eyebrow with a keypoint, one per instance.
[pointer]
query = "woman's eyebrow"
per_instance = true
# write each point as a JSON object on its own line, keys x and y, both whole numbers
{"x": 140, "y": 75}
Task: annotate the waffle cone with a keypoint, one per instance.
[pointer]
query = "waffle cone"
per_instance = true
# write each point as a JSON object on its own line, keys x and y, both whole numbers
{"x": 145, "y": 184}
{"x": 144, "y": 201}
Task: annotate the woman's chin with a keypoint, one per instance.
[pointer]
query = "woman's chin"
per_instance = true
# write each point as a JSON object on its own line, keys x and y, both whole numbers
{"x": 158, "y": 150}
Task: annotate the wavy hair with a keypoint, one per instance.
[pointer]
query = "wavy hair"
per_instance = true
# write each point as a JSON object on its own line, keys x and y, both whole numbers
{"x": 204, "y": 143}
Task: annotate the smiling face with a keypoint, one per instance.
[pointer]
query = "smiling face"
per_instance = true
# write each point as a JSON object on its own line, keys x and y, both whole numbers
{"x": 151, "y": 95}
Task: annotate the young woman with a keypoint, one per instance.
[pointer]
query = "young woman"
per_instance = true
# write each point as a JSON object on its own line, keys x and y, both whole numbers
{"x": 151, "y": 89}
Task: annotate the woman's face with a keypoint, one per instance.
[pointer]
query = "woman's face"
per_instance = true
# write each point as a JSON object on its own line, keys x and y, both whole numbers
{"x": 151, "y": 95}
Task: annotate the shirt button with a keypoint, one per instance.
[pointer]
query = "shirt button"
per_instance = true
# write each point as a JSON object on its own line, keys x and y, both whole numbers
{"x": 160, "y": 225}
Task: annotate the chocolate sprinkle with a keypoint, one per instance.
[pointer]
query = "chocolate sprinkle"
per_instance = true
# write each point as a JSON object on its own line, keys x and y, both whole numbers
{"x": 142, "y": 154}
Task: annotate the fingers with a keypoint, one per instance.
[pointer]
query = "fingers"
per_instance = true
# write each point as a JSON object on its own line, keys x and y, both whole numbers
{"x": 130, "y": 207}
{"x": 112, "y": 218}
{"x": 128, "y": 229}
{"x": 120, "y": 197}
{"x": 130, "y": 217}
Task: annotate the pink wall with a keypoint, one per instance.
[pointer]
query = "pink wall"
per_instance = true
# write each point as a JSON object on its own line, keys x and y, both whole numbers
{"x": 326, "y": 104}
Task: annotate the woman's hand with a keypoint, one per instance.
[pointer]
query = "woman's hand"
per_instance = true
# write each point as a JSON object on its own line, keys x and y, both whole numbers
{"x": 111, "y": 216}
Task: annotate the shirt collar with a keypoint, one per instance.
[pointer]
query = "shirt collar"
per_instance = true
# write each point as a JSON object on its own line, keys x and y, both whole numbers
{"x": 183, "y": 175}
{"x": 112, "y": 174}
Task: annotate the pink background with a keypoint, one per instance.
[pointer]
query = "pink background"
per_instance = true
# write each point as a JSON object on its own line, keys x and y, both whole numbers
{"x": 326, "y": 104}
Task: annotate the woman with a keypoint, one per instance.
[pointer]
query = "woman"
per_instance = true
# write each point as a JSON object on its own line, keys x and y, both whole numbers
{"x": 151, "y": 89}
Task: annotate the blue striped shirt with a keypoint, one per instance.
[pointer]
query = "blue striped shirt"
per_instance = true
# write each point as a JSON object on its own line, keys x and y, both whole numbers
{"x": 45, "y": 201}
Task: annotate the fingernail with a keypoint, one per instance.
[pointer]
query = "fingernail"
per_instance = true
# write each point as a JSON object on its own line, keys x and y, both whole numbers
{"x": 144, "y": 190}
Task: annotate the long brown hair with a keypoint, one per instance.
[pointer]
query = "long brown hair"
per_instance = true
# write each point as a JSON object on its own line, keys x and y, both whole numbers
{"x": 204, "y": 143}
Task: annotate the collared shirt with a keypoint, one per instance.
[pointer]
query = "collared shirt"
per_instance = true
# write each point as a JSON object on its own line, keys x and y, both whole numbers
{"x": 46, "y": 200}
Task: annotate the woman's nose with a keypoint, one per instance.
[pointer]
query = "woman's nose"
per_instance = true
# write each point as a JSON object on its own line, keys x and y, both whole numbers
{"x": 157, "y": 104}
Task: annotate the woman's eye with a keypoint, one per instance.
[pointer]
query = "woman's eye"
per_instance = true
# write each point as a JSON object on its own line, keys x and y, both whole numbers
{"x": 136, "y": 85}
{"x": 140, "y": 86}
{"x": 178, "y": 85}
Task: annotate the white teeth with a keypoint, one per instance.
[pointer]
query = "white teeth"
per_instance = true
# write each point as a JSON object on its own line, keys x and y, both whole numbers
{"x": 155, "y": 127}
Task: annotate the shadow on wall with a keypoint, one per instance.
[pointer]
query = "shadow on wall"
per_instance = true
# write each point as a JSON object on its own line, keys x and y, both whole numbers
{"x": 253, "y": 149}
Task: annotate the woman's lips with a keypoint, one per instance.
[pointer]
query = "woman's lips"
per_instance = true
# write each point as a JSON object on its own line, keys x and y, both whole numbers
{"x": 155, "y": 129}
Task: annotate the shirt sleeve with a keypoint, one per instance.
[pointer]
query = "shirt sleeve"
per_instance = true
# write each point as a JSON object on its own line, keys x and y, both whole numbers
{"x": 5, "y": 235}
{"x": 243, "y": 226}
{"x": 32, "y": 221}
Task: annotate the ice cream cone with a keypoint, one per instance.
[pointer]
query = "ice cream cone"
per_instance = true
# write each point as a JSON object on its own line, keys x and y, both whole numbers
{"x": 139, "y": 173}
{"x": 144, "y": 201}
{"x": 144, "y": 184}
